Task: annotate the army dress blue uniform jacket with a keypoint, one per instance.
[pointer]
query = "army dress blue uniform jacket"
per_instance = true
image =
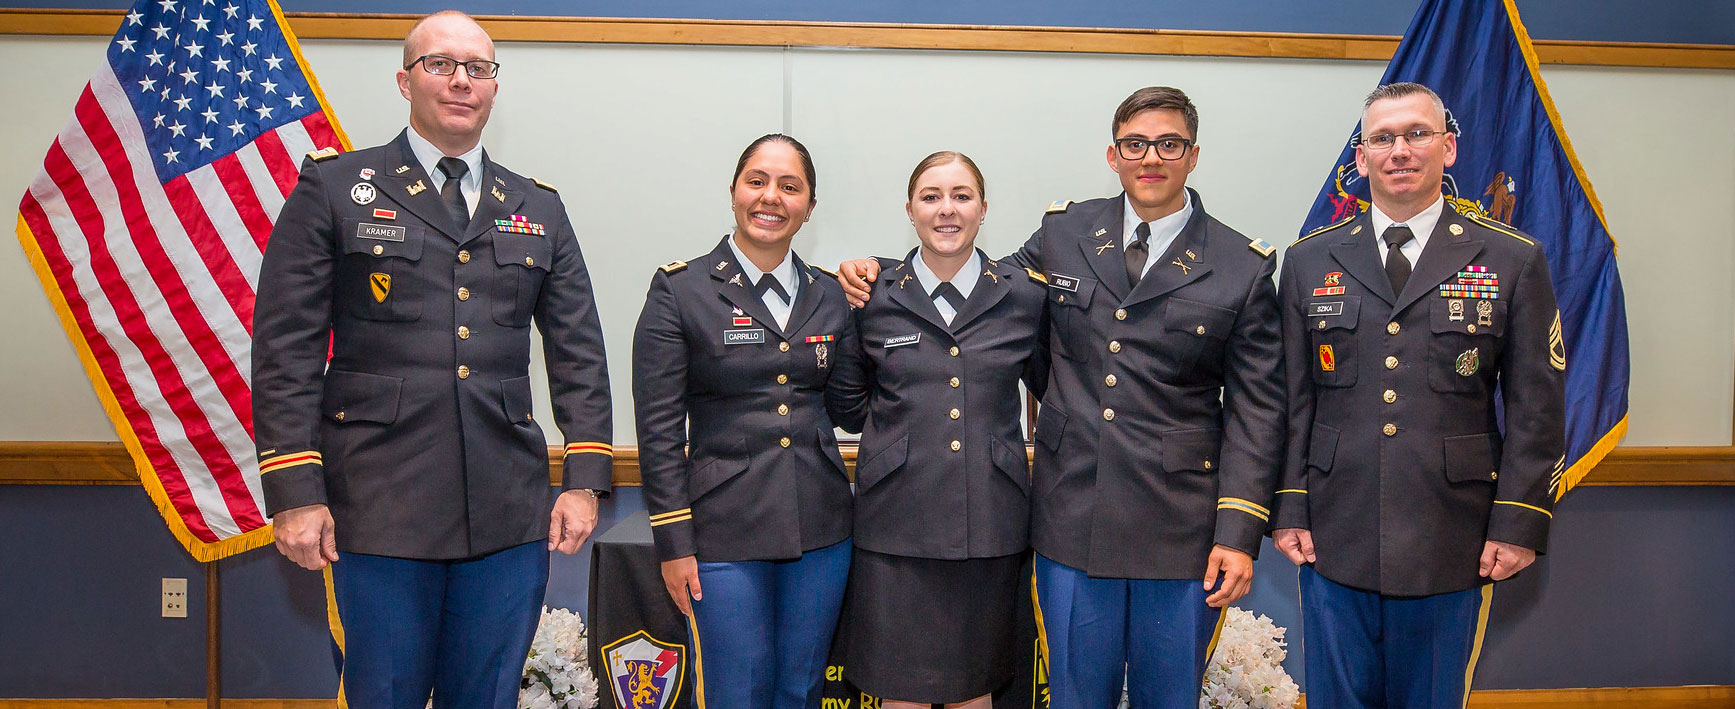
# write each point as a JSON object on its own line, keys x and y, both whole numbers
{"x": 736, "y": 447}
{"x": 1396, "y": 462}
{"x": 419, "y": 435}
{"x": 943, "y": 472}
{"x": 1161, "y": 431}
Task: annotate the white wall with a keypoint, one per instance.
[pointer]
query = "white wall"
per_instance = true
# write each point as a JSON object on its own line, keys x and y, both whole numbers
{"x": 641, "y": 141}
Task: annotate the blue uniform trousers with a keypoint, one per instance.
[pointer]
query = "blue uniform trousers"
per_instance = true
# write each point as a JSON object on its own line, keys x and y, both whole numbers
{"x": 458, "y": 629}
{"x": 1156, "y": 634}
{"x": 763, "y": 630}
{"x": 1366, "y": 651}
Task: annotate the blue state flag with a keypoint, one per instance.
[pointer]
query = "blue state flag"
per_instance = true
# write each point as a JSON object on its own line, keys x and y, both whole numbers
{"x": 1516, "y": 165}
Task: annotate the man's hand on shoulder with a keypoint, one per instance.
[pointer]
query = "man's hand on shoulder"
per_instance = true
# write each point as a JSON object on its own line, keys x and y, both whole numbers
{"x": 572, "y": 521}
{"x": 306, "y": 535}
{"x": 856, "y": 277}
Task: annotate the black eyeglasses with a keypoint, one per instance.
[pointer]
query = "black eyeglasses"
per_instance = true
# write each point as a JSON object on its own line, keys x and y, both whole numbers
{"x": 1167, "y": 148}
{"x": 1384, "y": 141}
{"x": 446, "y": 66}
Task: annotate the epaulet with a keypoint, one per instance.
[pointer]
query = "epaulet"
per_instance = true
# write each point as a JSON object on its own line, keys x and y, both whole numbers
{"x": 544, "y": 185}
{"x": 1060, "y": 206}
{"x": 1324, "y": 229}
{"x": 1039, "y": 278}
{"x": 322, "y": 154}
{"x": 821, "y": 270}
{"x": 673, "y": 266}
{"x": 1259, "y": 245}
{"x": 1499, "y": 227}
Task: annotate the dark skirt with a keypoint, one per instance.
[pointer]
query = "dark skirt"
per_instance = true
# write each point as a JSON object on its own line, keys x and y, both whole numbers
{"x": 931, "y": 630}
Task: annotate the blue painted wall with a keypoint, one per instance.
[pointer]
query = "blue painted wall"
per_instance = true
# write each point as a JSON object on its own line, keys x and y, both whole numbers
{"x": 1635, "y": 593}
{"x": 1681, "y": 21}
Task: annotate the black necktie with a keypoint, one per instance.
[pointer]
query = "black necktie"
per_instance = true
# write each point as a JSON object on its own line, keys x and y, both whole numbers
{"x": 1137, "y": 252}
{"x": 768, "y": 282}
{"x": 451, "y": 194}
{"x": 949, "y": 293}
{"x": 1397, "y": 266}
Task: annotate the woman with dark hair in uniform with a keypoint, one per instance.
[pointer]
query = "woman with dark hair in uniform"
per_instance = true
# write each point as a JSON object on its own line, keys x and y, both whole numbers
{"x": 733, "y": 358}
{"x": 942, "y": 482}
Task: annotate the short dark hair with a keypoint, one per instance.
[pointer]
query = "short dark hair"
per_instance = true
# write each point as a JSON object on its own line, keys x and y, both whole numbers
{"x": 1157, "y": 98}
{"x": 1400, "y": 89}
{"x": 806, "y": 160}
{"x": 944, "y": 157}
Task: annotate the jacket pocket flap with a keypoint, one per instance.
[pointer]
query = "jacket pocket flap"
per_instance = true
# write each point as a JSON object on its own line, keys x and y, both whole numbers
{"x": 869, "y": 471}
{"x": 1050, "y": 424}
{"x": 524, "y": 250}
{"x": 1197, "y": 318}
{"x": 1472, "y": 316}
{"x": 1078, "y": 298}
{"x": 707, "y": 475}
{"x": 828, "y": 445}
{"x": 1322, "y": 447}
{"x": 1335, "y": 313}
{"x": 1191, "y": 450}
{"x": 515, "y": 399}
{"x": 1472, "y": 458}
{"x": 1011, "y": 460}
{"x": 358, "y": 396}
{"x": 381, "y": 239}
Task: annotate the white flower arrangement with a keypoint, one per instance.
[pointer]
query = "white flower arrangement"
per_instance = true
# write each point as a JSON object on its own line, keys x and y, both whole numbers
{"x": 557, "y": 674}
{"x": 1246, "y": 671}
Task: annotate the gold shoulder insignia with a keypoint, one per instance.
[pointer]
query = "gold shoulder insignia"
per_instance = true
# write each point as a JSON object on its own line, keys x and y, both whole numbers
{"x": 1060, "y": 206}
{"x": 1324, "y": 229}
{"x": 821, "y": 270}
{"x": 1260, "y": 246}
{"x": 322, "y": 154}
{"x": 544, "y": 185}
{"x": 1039, "y": 278}
{"x": 1499, "y": 227}
{"x": 674, "y": 267}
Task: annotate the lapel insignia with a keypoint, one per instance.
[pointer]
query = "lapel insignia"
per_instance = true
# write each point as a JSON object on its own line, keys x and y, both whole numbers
{"x": 498, "y": 195}
{"x": 1356, "y": 230}
{"x": 1100, "y": 232}
{"x": 417, "y": 188}
{"x": 500, "y": 181}
{"x": 736, "y": 279}
{"x": 382, "y": 285}
{"x": 367, "y": 173}
{"x": 722, "y": 265}
{"x": 1105, "y": 246}
{"x": 362, "y": 193}
{"x": 386, "y": 214}
{"x": 1455, "y": 229}
{"x": 905, "y": 279}
{"x": 401, "y": 170}
{"x": 1185, "y": 269}
{"x": 1190, "y": 256}
{"x": 992, "y": 276}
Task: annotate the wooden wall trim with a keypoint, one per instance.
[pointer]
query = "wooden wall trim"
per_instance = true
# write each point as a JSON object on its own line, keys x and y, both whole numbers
{"x": 107, "y": 463}
{"x": 103, "y": 23}
{"x": 1700, "y": 697}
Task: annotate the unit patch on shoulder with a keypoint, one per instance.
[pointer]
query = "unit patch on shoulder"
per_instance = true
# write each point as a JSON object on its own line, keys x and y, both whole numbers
{"x": 544, "y": 185}
{"x": 674, "y": 267}
{"x": 323, "y": 154}
{"x": 1060, "y": 206}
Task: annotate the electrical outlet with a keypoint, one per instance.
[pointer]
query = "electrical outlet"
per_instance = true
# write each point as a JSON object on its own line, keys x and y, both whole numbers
{"x": 174, "y": 598}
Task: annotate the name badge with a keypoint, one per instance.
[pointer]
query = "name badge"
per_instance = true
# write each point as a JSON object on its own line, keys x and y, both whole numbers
{"x": 1334, "y": 307}
{"x": 1063, "y": 282}
{"x": 382, "y": 232}
{"x": 744, "y": 337}
{"x": 902, "y": 340}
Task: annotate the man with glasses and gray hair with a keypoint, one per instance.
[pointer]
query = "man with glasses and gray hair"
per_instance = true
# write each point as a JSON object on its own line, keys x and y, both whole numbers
{"x": 1160, "y": 435}
{"x": 411, "y": 469}
{"x": 1406, "y": 329}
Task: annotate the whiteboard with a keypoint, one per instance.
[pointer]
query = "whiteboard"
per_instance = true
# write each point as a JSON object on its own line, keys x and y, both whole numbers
{"x": 641, "y": 141}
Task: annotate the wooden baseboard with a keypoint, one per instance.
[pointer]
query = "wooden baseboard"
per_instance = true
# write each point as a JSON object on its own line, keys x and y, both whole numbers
{"x": 758, "y": 33}
{"x": 107, "y": 463}
{"x": 1699, "y": 697}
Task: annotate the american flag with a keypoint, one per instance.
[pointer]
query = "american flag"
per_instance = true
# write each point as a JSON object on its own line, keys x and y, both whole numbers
{"x": 146, "y": 225}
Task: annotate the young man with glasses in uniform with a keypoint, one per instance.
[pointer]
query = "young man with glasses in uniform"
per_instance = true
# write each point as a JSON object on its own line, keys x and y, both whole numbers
{"x": 1404, "y": 329}
{"x": 420, "y": 266}
{"x": 1160, "y": 435}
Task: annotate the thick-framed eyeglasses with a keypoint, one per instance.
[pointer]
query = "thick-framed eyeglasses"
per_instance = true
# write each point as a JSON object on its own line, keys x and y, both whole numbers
{"x": 1167, "y": 148}
{"x": 1382, "y": 142}
{"x": 439, "y": 65}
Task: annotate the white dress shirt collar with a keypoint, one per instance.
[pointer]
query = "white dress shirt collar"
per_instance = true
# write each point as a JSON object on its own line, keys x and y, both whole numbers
{"x": 1163, "y": 230}
{"x": 964, "y": 280}
{"x": 1422, "y": 225}
{"x": 784, "y": 272}
{"x": 429, "y": 156}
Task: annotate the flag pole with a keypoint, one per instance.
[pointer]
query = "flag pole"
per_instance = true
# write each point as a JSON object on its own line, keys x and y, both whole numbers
{"x": 213, "y": 637}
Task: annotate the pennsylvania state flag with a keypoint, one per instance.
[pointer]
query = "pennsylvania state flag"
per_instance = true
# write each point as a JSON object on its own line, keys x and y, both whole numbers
{"x": 1515, "y": 165}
